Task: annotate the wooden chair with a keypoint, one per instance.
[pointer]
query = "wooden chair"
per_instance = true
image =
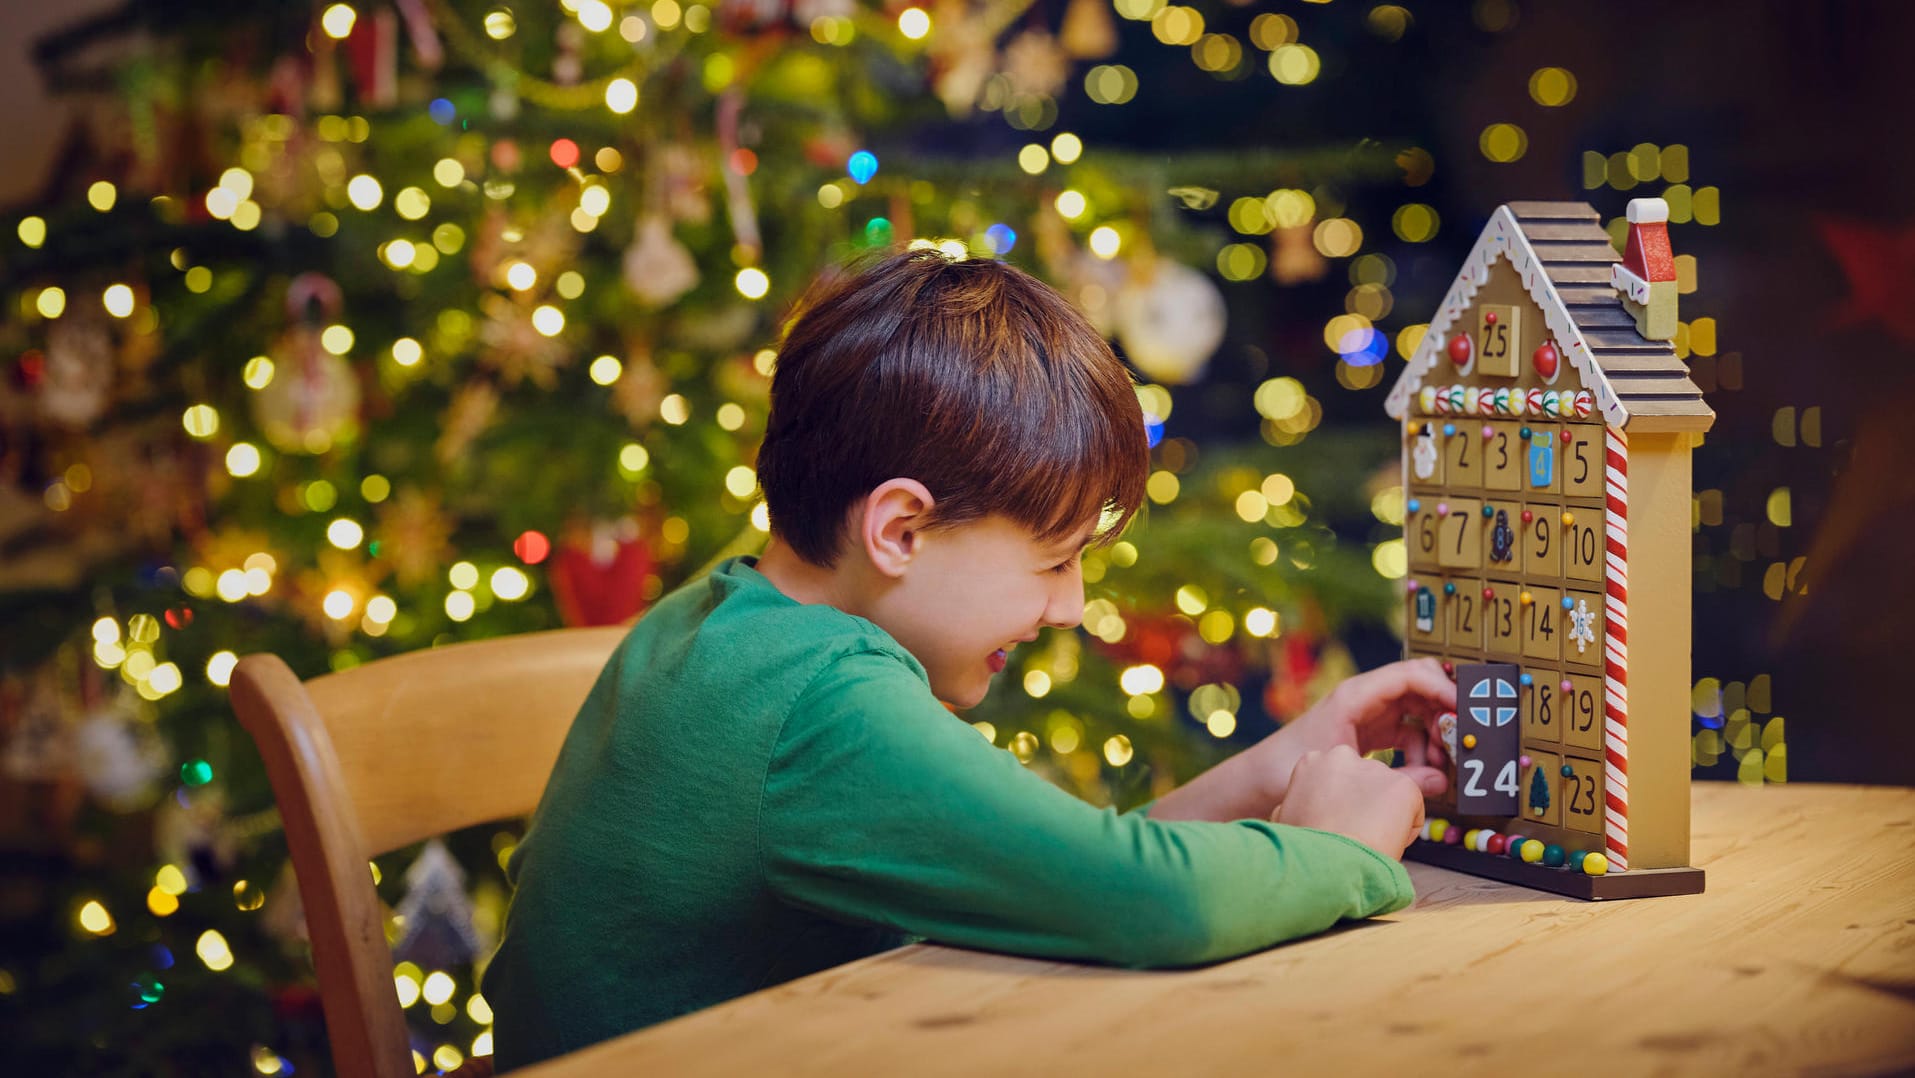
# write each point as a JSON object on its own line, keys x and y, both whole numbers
{"x": 386, "y": 754}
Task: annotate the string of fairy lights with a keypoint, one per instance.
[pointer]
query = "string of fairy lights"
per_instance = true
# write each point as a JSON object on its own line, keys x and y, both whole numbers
{"x": 1272, "y": 232}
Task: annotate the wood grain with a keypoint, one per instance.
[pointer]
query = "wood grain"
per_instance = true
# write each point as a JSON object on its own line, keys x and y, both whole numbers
{"x": 1800, "y": 957}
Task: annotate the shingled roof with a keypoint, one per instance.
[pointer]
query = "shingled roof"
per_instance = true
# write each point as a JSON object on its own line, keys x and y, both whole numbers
{"x": 1563, "y": 257}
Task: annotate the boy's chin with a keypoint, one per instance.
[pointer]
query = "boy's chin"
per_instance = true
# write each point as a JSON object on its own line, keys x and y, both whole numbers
{"x": 961, "y": 696}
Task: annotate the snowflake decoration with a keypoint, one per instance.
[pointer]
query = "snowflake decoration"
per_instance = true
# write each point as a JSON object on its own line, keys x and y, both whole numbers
{"x": 1582, "y": 626}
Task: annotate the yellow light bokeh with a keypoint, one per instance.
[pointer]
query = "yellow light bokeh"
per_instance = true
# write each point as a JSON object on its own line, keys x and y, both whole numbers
{"x": 338, "y": 21}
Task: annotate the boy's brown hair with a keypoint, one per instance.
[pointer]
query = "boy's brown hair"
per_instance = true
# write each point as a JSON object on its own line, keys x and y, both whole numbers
{"x": 971, "y": 377}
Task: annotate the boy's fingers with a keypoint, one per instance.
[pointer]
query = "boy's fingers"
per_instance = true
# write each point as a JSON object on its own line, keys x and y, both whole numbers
{"x": 1412, "y": 680}
{"x": 1428, "y": 779}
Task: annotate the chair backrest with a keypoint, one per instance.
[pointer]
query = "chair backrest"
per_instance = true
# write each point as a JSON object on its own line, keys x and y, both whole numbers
{"x": 377, "y": 757}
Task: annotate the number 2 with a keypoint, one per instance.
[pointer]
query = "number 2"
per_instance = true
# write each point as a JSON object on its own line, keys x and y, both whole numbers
{"x": 1473, "y": 787}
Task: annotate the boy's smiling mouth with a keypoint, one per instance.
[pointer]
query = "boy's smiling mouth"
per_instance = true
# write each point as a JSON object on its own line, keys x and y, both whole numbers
{"x": 999, "y": 658}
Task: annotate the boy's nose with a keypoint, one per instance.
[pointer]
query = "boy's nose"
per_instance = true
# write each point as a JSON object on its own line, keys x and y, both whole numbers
{"x": 1066, "y": 607}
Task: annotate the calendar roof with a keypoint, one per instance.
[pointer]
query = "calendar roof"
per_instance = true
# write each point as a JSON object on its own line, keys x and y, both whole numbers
{"x": 1564, "y": 258}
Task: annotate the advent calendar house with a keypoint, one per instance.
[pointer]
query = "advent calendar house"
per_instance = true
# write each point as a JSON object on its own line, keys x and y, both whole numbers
{"x": 1547, "y": 425}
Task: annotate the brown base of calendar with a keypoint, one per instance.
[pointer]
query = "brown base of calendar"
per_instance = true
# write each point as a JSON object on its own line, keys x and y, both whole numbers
{"x": 1636, "y": 883}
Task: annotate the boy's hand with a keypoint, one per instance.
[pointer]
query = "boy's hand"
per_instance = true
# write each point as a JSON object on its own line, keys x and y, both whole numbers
{"x": 1337, "y": 790}
{"x": 1391, "y": 707}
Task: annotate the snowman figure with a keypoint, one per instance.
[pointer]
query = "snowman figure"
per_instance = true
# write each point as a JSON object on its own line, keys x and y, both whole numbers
{"x": 1502, "y": 539}
{"x": 1423, "y": 457}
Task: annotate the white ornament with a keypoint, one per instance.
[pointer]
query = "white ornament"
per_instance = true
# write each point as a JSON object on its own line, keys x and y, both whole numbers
{"x": 1582, "y": 625}
{"x": 117, "y": 756}
{"x": 1423, "y": 457}
{"x": 658, "y": 268}
{"x": 1170, "y": 322}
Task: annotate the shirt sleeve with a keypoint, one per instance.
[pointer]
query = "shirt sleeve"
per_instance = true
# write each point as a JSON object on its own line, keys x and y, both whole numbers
{"x": 881, "y": 806}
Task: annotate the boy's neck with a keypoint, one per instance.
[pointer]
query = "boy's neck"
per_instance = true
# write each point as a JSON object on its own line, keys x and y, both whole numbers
{"x": 804, "y": 582}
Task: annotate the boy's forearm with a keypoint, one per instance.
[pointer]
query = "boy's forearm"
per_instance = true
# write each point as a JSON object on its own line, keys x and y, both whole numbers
{"x": 1247, "y": 786}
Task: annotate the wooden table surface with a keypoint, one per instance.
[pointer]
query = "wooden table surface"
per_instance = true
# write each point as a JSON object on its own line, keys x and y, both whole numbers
{"x": 1799, "y": 957}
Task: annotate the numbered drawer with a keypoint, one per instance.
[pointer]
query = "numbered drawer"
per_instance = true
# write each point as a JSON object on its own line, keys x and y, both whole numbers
{"x": 1542, "y": 538}
{"x": 1541, "y": 456}
{"x": 1463, "y": 598}
{"x": 1582, "y": 628}
{"x": 1502, "y": 627}
{"x": 1426, "y": 625}
{"x": 1583, "y": 710}
{"x": 1583, "y": 543}
{"x": 1423, "y": 439}
{"x": 1462, "y": 443}
{"x": 1502, "y": 536}
{"x": 1422, "y": 529}
{"x": 1541, "y": 795}
{"x": 1543, "y": 703}
{"x": 1582, "y": 460}
{"x": 1459, "y": 542}
{"x": 1504, "y": 460}
{"x": 1581, "y": 783}
{"x": 1542, "y": 623}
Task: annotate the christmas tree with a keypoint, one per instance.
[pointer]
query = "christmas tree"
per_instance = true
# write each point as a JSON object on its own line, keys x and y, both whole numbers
{"x": 350, "y": 331}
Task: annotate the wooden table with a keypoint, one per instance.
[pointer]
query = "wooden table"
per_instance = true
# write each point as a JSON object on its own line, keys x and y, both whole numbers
{"x": 1800, "y": 957}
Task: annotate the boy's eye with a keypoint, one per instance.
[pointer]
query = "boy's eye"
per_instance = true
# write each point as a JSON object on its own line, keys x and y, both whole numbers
{"x": 1065, "y": 565}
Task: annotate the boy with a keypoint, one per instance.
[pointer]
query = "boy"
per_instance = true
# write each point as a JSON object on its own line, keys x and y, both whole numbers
{"x": 766, "y": 780}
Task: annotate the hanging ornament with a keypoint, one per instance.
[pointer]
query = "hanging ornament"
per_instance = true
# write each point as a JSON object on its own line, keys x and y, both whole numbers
{"x": 1088, "y": 33}
{"x": 744, "y": 217}
{"x": 683, "y": 175}
{"x": 1546, "y": 360}
{"x": 640, "y": 389}
{"x": 1036, "y": 64}
{"x": 598, "y": 574}
{"x": 76, "y": 383}
{"x": 414, "y": 536}
{"x": 503, "y": 103}
{"x": 372, "y": 51}
{"x": 1294, "y": 258}
{"x": 744, "y": 17}
{"x": 469, "y": 414}
{"x": 806, "y": 12}
{"x": 313, "y": 400}
{"x": 1170, "y": 319}
{"x": 426, "y": 47}
{"x": 118, "y": 755}
{"x": 658, "y": 268}
{"x": 40, "y": 747}
{"x": 567, "y": 63}
{"x": 190, "y": 831}
{"x": 512, "y": 345}
{"x": 963, "y": 55}
{"x": 436, "y": 913}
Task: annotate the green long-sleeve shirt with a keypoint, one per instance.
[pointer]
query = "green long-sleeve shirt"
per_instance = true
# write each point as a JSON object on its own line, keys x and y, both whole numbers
{"x": 756, "y": 789}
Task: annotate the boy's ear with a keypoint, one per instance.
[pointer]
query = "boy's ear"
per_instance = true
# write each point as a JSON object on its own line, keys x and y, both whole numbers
{"x": 895, "y": 513}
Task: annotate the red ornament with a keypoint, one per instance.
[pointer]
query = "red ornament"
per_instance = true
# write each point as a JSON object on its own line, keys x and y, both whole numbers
{"x": 1460, "y": 350}
{"x": 179, "y": 617}
{"x": 1546, "y": 359}
{"x": 1489, "y": 593}
{"x": 1565, "y": 435}
{"x": 564, "y": 152}
{"x": 1490, "y": 317}
{"x": 1498, "y": 844}
{"x": 1528, "y": 516}
{"x": 598, "y": 574}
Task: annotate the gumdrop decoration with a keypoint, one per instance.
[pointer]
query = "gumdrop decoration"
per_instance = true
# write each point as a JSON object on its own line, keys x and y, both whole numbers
{"x": 1461, "y": 351}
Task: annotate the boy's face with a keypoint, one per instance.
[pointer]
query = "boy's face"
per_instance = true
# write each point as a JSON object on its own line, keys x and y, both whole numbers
{"x": 973, "y": 592}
